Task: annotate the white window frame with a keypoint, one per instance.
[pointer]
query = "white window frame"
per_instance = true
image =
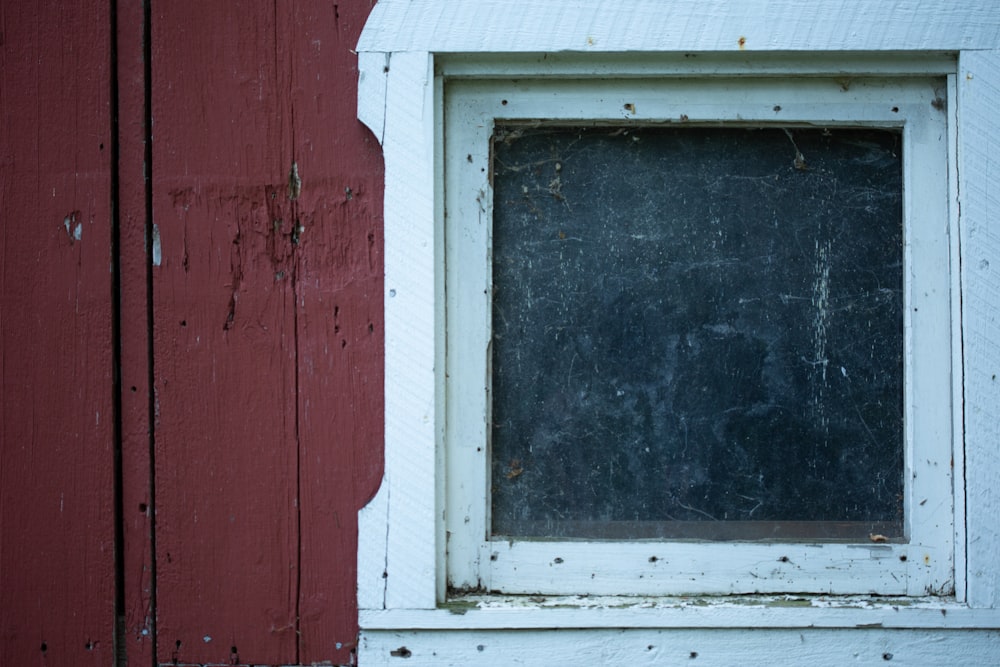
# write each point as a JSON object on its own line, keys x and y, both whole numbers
{"x": 923, "y": 565}
{"x": 408, "y": 50}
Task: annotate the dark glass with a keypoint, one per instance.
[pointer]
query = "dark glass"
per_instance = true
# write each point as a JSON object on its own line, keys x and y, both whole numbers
{"x": 697, "y": 333}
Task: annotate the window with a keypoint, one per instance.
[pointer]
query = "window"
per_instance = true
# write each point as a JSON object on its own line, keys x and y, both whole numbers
{"x": 691, "y": 303}
{"x": 912, "y": 87}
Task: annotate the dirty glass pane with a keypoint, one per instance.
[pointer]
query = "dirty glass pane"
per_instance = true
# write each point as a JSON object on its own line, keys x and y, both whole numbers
{"x": 697, "y": 333}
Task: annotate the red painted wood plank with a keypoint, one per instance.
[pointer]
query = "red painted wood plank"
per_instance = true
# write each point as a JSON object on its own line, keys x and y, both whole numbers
{"x": 268, "y": 331}
{"x": 56, "y": 411}
{"x": 134, "y": 344}
{"x": 224, "y": 336}
{"x": 340, "y": 318}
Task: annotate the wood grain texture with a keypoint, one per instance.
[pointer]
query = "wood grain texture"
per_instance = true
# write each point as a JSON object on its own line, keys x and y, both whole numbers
{"x": 485, "y": 612}
{"x": 56, "y": 410}
{"x": 397, "y": 566}
{"x": 673, "y": 647}
{"x": 224, "y": 335}
{"x": 403, "y": 32}
{"x": 268, "y": 329}
{"x": 979, "y": 193}
{"x": 339, "y": 318}
{"x": 454, "y": 26}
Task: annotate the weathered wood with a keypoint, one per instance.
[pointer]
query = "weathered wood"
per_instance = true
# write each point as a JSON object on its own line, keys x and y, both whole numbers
{"x": 56, "y": 410}
{"x": 979, "y": 95}
{"x": 399, "y": 569}
{"x": 224, "y": 335}
{"x": 698, "y": 647}
{"x": 339, "y": 319}
{"x": 523, "y": 26}
{"x": 399, "y": 99}
{"x": 136, "y": 417}
{"x": 268, "y": 329}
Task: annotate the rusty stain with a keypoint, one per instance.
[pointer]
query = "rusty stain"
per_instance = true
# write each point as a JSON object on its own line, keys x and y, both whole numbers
{"x": 514, "y": 469}
{"x": 877, "y": 538}
{"x": 742, "y": 42}
{"x": 630, "y": 108}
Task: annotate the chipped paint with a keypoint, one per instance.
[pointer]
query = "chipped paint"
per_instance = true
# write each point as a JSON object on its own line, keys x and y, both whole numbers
{"x": 294, "y": 182}
{"x": 74, "y": 229}
{"x": 157, "y": 250}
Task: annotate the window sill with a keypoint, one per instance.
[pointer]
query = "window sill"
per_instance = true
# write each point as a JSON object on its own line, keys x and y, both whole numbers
{"x": 488, "y": 612}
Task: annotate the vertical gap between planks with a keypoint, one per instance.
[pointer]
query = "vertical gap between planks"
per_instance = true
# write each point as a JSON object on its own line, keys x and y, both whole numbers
{"x": 147, "y": 108}
{"x": 290, "y": 16}
{"x": 116, "y": 343}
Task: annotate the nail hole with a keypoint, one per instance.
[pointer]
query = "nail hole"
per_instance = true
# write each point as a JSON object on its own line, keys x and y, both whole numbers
{"x": 45, "y": 647}
{"x": 133, "y": 389}
{"x": 887, "y": 656}
{"x": 895, "y": 109}
{"x": 184, "y": 323}
{"x": 503, "y": 102}
{"x": 694, "y": 654}
{"x": 143, "y": 507}
{"x": 903, "y": 558}
{"x": 401, "y": 652}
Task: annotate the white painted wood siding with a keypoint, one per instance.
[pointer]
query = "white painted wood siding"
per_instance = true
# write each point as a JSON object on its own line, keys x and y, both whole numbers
{"x": 401, "y": 540}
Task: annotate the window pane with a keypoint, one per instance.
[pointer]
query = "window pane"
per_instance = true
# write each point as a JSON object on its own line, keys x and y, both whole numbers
{"x": 697, "y": 333}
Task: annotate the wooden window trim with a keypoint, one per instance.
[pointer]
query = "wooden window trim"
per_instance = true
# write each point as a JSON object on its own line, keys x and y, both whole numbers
{"x": 552, "y": 567}
{"x": 401, "y": 55}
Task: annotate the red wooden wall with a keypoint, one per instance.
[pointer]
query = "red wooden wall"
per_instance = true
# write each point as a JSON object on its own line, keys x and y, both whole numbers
{"x": 210, "y": 156}
{"x": 56, "y": 413}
